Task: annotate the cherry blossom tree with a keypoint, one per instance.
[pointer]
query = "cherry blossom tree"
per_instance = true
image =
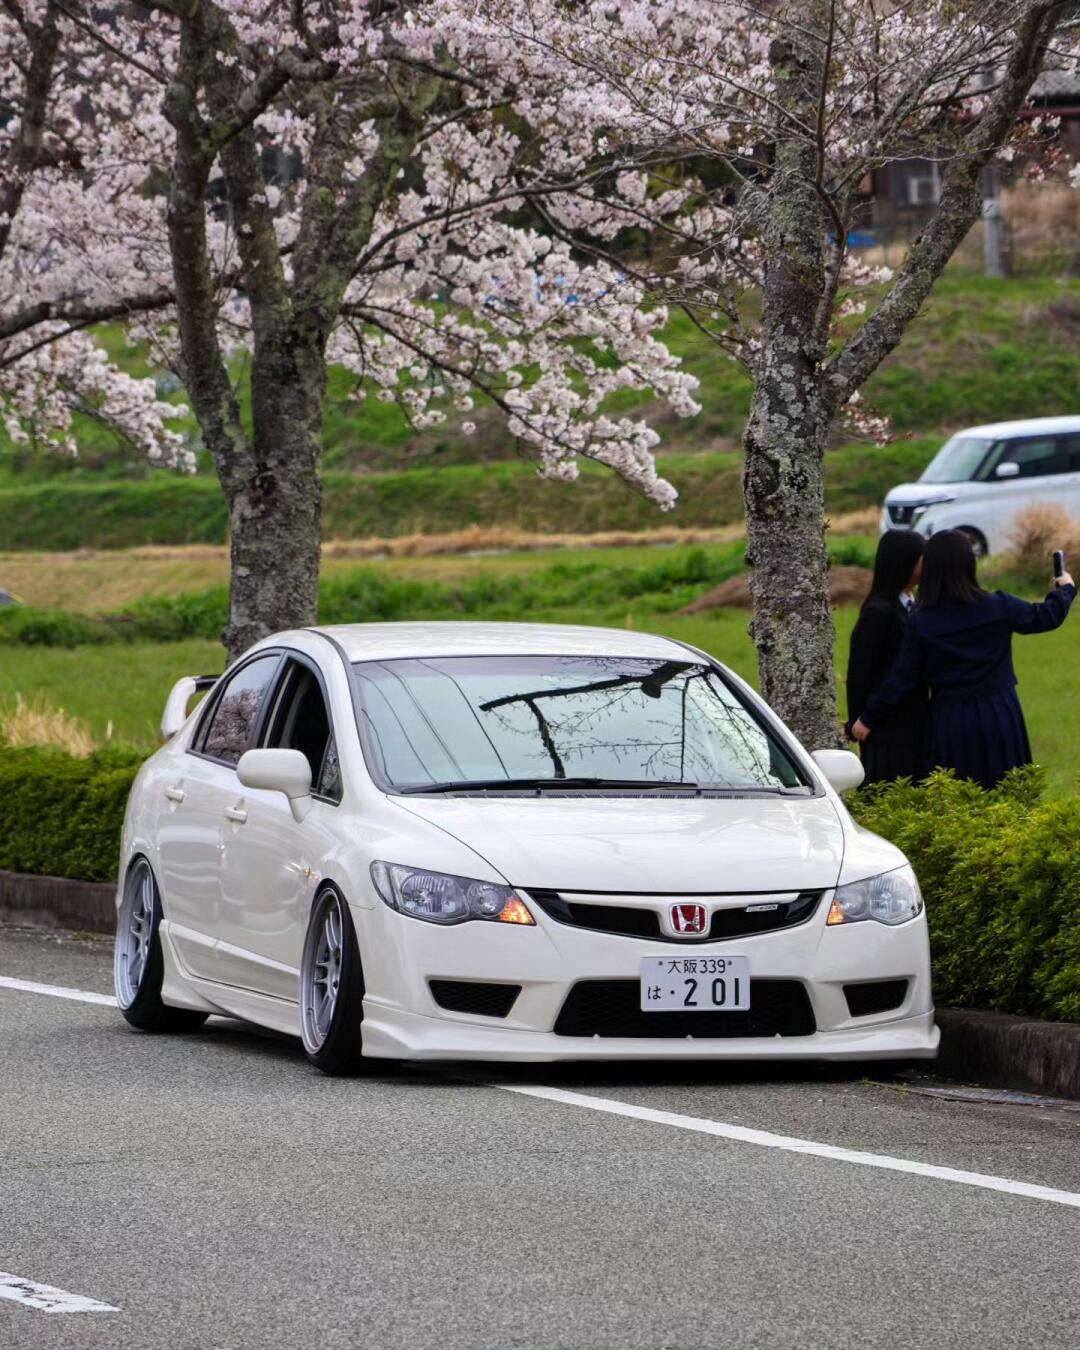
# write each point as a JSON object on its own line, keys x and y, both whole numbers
{"x": 293, "y": 185}
{"x": 497, "y": 199}
{"x": 769, "y": 119}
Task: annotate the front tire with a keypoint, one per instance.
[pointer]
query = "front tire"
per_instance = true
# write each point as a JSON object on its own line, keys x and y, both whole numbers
{"x": 138, "y": 964}
{"x": 977, "y": 540}
{"x": 332, "y": 988}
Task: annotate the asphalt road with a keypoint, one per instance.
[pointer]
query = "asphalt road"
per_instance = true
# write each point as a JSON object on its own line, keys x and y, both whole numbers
{"x": 221, "y": 1194}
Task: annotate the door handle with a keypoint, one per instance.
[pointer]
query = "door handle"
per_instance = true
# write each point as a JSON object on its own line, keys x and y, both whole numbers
{"x": 175, "y": 794}
{"x": 235, "y": 813}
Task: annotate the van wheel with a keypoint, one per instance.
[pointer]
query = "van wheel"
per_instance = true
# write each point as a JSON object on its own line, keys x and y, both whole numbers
{"x": 138, "y": 965}
{"x": 976, "y": 539}
{"x": 332, "y": 988}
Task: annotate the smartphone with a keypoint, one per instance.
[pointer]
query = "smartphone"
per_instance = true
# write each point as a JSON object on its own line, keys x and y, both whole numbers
{"x": 1059, "y": 562}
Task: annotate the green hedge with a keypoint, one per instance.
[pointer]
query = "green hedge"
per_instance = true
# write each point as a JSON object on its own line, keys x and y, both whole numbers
{"x": 168, "y": 509}
{"x": 61, "y": 816}
{"x": 1001, "y": 875}
{"x": 1000, "y": 870}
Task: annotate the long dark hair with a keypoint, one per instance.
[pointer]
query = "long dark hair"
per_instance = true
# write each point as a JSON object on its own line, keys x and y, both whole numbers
{"x": 948, "y": 576}
{"x": 897, "y": 556}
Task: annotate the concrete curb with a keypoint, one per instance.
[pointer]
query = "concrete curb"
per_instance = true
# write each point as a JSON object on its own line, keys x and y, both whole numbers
{"x": 58, "y": 902}
{"x": 1000, "y": 1050}
{"x": 995, "y": 1049}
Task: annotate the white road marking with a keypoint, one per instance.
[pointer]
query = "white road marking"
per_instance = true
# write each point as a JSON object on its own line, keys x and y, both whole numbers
{"x": 57, "y": 991}
{"x": 765, "y": 1139}
{"x": 739, "y": 1133}
{"x": 46, "y": 1297}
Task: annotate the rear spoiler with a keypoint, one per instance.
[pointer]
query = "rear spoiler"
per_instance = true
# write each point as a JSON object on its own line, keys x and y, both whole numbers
{"x": 180, "y": 695}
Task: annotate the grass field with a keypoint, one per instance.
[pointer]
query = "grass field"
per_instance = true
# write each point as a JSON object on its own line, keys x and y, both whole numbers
{"x": 126, "y": 684}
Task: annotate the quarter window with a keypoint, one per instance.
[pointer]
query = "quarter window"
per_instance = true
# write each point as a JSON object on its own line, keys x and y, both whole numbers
{"x": 234, "y": 716}
{"x": 300, "y": 721}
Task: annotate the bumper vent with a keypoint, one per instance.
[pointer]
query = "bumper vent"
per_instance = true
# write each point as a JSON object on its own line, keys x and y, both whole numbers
{"x": 612, "y": 1008}
{"x": 881, "y": 996}
{"x": 474, "y": 996}
{"x": 633, "y": 921}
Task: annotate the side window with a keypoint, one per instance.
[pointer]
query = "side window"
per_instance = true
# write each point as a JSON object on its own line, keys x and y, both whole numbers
{"x": 1036, "y": 457}
{"x": 300, "y": 721}
{"x": 233, "y": 718}
{"x": 1070, "y": 446}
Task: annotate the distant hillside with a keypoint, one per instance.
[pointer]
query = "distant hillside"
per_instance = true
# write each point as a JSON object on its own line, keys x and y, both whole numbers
{"x": 69, "y": 514}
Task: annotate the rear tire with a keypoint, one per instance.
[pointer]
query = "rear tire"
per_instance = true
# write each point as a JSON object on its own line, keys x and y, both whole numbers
{"x": 138, "y": 964}
{"x": 332, "y": 988}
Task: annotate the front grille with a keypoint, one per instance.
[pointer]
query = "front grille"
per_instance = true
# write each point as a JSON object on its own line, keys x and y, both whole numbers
{"x": 474, "y": 996}
{"x": 878, "y": 997}
{"x": 633, "y": 921}
{"x": 613, "y": 1008}
{"x": 901, "y": 515}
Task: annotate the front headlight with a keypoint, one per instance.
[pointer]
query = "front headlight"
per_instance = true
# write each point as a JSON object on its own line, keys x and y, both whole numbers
{"x": 917, "y": 512}
{"x": 892, "y": 898}
{"x": 440, "y": 898}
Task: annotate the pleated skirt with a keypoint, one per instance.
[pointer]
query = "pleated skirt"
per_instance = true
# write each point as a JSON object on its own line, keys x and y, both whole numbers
{"x": 980, "y": 738}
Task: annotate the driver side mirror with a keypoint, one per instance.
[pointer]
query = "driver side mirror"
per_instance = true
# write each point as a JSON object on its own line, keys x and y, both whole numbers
{"x": 1008, "y": 469}
{"x": 279, "y": 771}
{"x": 841, "y": 768}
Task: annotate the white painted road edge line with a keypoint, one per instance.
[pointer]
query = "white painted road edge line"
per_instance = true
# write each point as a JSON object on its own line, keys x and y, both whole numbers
{"x": 47, "y": 1298}
{"x": 740, "y": 1133}
{"x": 764, "y": 1139}
{"x": 57, "y": 991}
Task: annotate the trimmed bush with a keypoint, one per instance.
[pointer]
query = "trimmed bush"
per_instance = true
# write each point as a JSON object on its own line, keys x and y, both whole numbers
{"x": 61, "y": 816}
{"x": 1001, "y": 875}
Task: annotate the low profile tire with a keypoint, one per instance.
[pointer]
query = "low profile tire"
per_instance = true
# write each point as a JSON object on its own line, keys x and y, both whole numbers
{"x": 138, "y": 966}
{"x": 332, "y": 988}
{"x": 978, "y": 543}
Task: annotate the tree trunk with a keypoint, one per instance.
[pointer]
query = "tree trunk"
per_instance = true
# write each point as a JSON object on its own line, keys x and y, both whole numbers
{"x": 783, "y": 480}
{"x": 792, "y": 628}
{"x": 275, "y": 497}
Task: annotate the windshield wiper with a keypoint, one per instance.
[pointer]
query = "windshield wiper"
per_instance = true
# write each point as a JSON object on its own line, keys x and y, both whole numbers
{"x": 611, "y": 784}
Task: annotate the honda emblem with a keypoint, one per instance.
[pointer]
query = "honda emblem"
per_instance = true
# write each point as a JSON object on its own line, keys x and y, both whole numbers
{"x": 688, "y": 919}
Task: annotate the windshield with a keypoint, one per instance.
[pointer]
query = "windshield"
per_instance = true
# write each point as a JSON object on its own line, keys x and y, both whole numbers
{"x": 958, "y": 460}
{"x": 518, "y": 721}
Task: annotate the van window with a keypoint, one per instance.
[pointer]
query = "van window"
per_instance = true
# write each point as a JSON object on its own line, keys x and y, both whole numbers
{"x": 957, "y": 461}
{"x": 1070, "y": 446}
{"x": 1036, "y": 457}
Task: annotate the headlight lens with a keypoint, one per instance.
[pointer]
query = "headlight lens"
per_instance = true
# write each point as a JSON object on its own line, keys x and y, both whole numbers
{"x": 892, "y": 898}
{"x": 438, "y": 897}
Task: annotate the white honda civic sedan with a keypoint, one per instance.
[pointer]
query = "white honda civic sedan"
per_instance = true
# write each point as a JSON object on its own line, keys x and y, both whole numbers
{"x": 466, "y": 841}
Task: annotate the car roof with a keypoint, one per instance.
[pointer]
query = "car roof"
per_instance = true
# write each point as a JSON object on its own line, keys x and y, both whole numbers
{"x": 386, "y": 641}
{"x": 1031, "y": 426}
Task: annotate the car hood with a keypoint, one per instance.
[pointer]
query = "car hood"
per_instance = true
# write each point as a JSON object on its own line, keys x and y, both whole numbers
{"x": 644, "y": 845}
{"x": 914, "y": 494}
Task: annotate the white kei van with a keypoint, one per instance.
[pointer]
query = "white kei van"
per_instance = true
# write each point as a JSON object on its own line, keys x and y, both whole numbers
{"x": 983, "y": 477}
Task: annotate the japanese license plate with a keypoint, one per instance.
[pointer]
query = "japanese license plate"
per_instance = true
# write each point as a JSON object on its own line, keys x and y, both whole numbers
{"x": 695, "y": 984}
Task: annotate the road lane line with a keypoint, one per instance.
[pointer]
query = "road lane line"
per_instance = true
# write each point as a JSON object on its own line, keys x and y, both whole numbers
{"x": 57, "y": 991}
{"x": 739, "y": 1133}
{"x": 764, "y": 1139}
{"x": 46, "y": 1297}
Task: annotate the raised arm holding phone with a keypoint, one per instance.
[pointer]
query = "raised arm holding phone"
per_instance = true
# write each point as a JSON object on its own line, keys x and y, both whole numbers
{"x": 958, "y": 641}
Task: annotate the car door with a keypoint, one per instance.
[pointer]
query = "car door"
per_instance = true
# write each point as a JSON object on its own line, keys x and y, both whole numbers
{"x": 1038, "y": 460}
{"x": 270, "y": 862}
{"x": 191, "y": 827}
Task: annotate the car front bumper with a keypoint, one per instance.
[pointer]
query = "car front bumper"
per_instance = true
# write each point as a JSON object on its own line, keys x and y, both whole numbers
{"x": 403, "y": 1021}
